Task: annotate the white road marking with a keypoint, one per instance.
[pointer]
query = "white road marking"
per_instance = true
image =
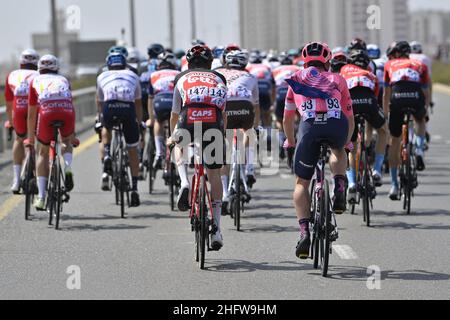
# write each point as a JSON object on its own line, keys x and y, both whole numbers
{"x": 345, "y": 252}
{"x": 436, "y": 137}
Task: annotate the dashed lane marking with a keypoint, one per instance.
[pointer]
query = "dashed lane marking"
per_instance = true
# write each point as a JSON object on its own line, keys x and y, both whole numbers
{"x": 345, "y": 252}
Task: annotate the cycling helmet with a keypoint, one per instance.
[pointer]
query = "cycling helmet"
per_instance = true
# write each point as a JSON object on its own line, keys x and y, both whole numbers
{"x": 293, "y": 53}
{"x": 272, "y": 57}
{"x": 218, "y": 52}
{"x": 360, "y": 58}
{"x": 416, "y": 47}
{"x": 357, "y": 44}
{"x": 119, "y": 49}
{"x": 154, "y": 50}
{"x": 237, "y": 59}
{"x": 116, "y": 60}
{"x": 338, "y": 50}
{"x": 373, "y": 51}
{"x": 285, "y": 59}
{"x": 316, "y": 51}
{"x": 199, "y": 53}
{"x": 29, "y": 56}
{"x": 133, "y": 56}
{"x": 196, "y": 42}
{"x": 255, "y": 58}
{"x": 48, "y": 63}
{"x": 167, "y": 60}
{"x": 403, "y": 48}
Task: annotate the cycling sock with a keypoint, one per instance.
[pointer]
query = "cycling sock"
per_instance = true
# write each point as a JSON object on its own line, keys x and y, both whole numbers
{"x": 17, "y": 170}
{"x": 379, "y": 160}
{"x": 394, "y": 177}
{"x": 159, "y": 143}
{"x": 42, "y": 186}
{"x": 225, "y": 183}
{"x": 304, "y": 225}
{"x": 68, "y": 157}
{"x": 250, "y": 152}
{"x": 135, "y": 181}
{"x": 217, "y": 211}
{"x": 420, "y": 144}
{"x": 108, "y": 150}
{"x": 351, "y": 177}
{"x": 182, "y": 171}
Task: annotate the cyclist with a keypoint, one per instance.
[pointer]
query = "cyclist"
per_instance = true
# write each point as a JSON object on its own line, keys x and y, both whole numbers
{"x": 184, "y": 62}
{"x": 200, "y": 89}
{"x": 17, "y": 89}
{"x": 119, "y": 95}
{"x": 364, "y": 87}
{"x": 407, "y": 84}
{"x": 217, "y": 53}
{"x": 280, "y": 74}
{"x": 322, "y": 92}
{"x": 134, "y": 58}
{"x": 50, "y": 100}
{"x": 243, "y": 110}
{"x": 160, "y": 102}
{"x": 121, "y": 50}
{"x": 359, "y": 44}
{"x": 266, "y": 85}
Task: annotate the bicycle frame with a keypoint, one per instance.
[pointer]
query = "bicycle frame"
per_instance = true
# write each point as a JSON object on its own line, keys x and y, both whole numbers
{"x": 236, "y": 156}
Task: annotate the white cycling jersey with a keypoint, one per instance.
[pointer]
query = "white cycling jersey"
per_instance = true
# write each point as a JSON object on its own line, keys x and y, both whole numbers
{"x": 424, "y": 59}
{"x": 242, "y": 86}
{"x": 119, "y": 85}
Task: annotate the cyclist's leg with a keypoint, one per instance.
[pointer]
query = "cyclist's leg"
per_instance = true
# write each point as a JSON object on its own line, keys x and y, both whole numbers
{"x": 182, "y": 168}
{"x": 132, "y": 138}
{"x": 160, "y": 144}
{"x": 279, "y": 113}
{"x": 351, "y": 172}
{"x": 421, "y": 130}
{"x": 20, "y": 127}
{"x": 44, "y": 135}
{"x": 395, "y": 128}
{"x": 68, "y": 135}
{"x": 377, "y": 120}
{"x": 163, "y": 107}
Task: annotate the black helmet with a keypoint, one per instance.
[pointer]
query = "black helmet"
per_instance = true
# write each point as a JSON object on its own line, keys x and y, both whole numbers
{"x": 285, "y": 59}
{"x": 196, "y": 42}
{"x": 403, "y": 48}
{"x": 154, "y": 50}
{"x": 199, "y": 54}
{"x": 167, "y": 60}
{"x": 357, "y": 44}
{"x": 360, "y": 58}
{"x": 255, "y": 57}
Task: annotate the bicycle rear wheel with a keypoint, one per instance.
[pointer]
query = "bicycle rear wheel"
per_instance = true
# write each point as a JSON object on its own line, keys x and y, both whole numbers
{"x": 315, "y": 224}
{"x": 151, "y": 151}
{"x": 122, "y": 185}
{"x": 203, "y": 223}
{"x": 51, "y": 194}
{"x": 172, "y": 186}
{"x": 29, "y": 186}
{"x": 326, "y": 220}
{"x": 366, "y": 192}
{"x": 58, "y": 194}
{"x": 237, "y": 199}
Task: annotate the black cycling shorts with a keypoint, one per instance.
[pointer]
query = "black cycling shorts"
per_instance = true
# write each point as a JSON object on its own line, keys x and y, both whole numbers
{"x": 210, "y": 118}
{"x": 163, "y": 106}
{"x": 311, "y": 133}
{"x": 265, "y": 95}
{"x": 405, "y": 95}
{"x": 365, "y": 104}
{"x": 240, "y": 115}
{"x": 280, "y": 103}
{"x": 126, "y": 113}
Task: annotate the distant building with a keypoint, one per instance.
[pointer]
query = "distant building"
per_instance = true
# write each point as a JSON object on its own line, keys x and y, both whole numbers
{"x": 431, "y": 28}
{"x": 42, "y": 42}
{"x": 283, "y": 24}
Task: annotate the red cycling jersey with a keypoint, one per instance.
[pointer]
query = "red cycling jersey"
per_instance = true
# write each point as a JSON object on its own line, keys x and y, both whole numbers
{"x": 282, "y": 73}
{"x": 163, "y": 81}
{"x": 405, "y": 69}
{"x": 16, "y": 91}
{"x": 51, "y": 92}
{"x": 260, "y": 71}
{"x": 359, "y": 77}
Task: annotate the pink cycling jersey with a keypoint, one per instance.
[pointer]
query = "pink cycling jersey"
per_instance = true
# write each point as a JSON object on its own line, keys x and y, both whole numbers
{"x": 339, "y": 102}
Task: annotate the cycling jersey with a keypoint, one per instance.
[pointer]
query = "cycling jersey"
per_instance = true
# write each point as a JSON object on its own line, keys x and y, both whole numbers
{"x": 184, "y": 64}
{"x": 217, "y": 63}
{"x": 162, "y": 85}
{"x": 339, "y": 101}
{"x": 147, "y": 69}
{"x": 17, "y": 89}
{"x": 281, "y": 73}
{"x": 200, "y": 97}
{"x": 118, "y": 90}
{"x": 52, "y": 94}
{"x": 359, "y": 77}
{"x": 265, "y": 83}
{"x": 424, "y": 59}
{"x": 405, "y": 69}
{"x": 105, "y": 68}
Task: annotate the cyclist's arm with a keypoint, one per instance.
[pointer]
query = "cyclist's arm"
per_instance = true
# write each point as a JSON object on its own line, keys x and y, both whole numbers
{"x": 32, "y": 114}
{"x": 347, "y": 105}
{"x": 387, "y": 100}
{"x": 289, "y": 118}
{"x": 176, "y": 110}
{"x": 138, "y": 102}
{"x": 9, "y": 98}
{"x": 255, "y": 95}
{"x": 151, "y": 110}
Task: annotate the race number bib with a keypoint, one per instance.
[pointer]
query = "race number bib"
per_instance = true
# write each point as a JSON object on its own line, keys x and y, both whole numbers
{"x": 406, "y": 74}
{"x": 334, "y": 108}
{"x": 309, "y": 109}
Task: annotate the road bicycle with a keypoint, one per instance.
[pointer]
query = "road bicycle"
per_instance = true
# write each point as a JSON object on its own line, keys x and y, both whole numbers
{"x": 171, "y": 178}
{"x": 28, "y": 178}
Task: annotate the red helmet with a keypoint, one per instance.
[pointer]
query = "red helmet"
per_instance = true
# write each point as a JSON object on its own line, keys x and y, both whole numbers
{"x": 316, "y": 51}
{"x": 199, "y": 52}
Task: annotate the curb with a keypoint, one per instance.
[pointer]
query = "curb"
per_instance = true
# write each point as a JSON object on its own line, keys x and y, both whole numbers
{"x": 441, "y": 88}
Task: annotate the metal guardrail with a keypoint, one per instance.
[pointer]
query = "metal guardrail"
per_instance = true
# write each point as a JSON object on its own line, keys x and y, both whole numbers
{"x": 84, "y": 103}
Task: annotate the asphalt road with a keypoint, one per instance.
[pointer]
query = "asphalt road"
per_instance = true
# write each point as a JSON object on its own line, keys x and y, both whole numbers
{"x": 150, "y": 254}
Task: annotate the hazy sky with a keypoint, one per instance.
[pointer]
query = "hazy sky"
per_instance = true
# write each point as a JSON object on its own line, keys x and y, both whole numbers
{"x": 217, "y": 20}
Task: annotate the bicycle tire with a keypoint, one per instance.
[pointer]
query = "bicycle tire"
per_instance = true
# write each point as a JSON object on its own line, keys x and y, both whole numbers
{"x": 151, "y": 151}
{"x": 58, "y": 194}
{"x": 237, "y": 200}
{"x": 172, "y": 186}
{"x": 51, "y": 193}
{"x": 409, "y": 190}
{"x": 121, "y": 185}
{"x": 326, "y": 243}
{"x": 314, "y": 214}
{"x": 29, "y": 190}
{"x": 366, "y": 191}
{"x": 203, "y": 223}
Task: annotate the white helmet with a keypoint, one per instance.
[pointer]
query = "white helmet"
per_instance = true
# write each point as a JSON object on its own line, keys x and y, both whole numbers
{"x": 237, "y": 59}
{"x": 134, "y": 56}
{"x": 416, "y": 47}
{"x": 29, "y": 56}
{"x": 48, "y": 62}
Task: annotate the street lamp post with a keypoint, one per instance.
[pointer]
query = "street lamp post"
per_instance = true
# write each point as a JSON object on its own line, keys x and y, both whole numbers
{"x": 55, "y": 45}
{"x": 171, "y": 25}
{"x": 133, "y": 23}
{"x": 193, "y": 21}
